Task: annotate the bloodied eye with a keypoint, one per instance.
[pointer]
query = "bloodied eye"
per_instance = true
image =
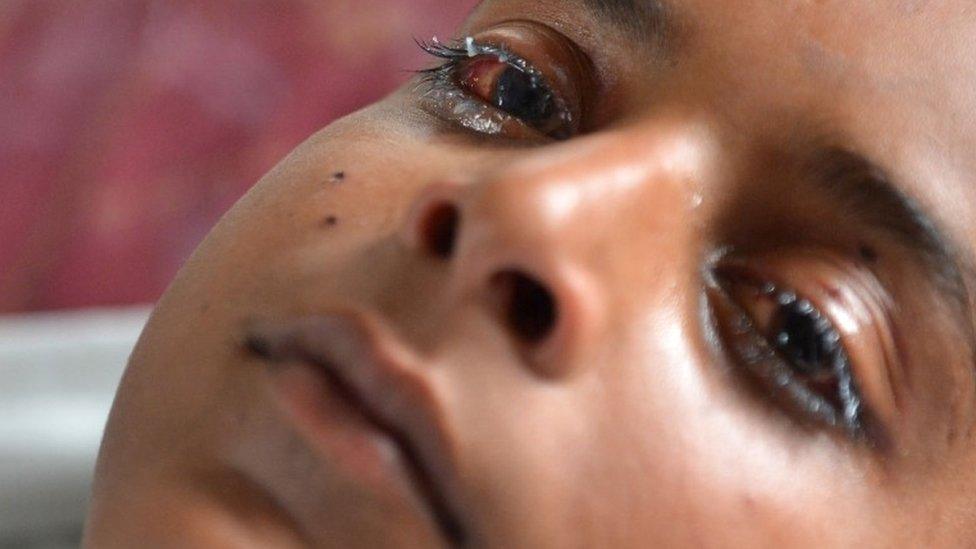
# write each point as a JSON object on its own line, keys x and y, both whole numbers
{"x": 509, "y": 88}
{"x": 791, "y": 348}
{"x": 498, "y": 79}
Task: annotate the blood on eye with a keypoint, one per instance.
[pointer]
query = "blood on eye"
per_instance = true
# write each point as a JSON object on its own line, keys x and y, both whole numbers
{"x": 508, "y": 88}
{"x": 479, "y": 76}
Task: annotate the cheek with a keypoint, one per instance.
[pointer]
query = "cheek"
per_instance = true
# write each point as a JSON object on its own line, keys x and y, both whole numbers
{"x": 338, "y": 193}
{"x": 282, "y": 242}
{"x": 710, "y": 467}
{"x": 351, "y": 180}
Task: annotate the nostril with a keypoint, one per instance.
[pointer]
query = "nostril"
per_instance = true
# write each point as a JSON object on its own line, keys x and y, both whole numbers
{"x": 438, "y": 230}
{"x": 529, "y": 308}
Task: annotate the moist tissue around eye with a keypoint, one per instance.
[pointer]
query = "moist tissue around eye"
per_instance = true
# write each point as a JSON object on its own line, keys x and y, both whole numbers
{"x": 466, "y": 111}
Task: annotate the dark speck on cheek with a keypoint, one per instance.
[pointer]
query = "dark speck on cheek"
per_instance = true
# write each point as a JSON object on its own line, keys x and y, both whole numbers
{"x": 256, "y": 347}
{"x": 868, "y": 253}
{"x": 338, "y": 177}
{"x": 330, "y": 221}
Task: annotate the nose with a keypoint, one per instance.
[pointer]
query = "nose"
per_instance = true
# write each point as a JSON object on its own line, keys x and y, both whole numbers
{"x": 541, "y": 240}
{"x": 505, "y": 247}
{"x": 432, "y": 224}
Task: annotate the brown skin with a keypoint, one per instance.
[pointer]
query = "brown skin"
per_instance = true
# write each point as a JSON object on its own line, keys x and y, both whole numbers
{"x": 634, "y": 423}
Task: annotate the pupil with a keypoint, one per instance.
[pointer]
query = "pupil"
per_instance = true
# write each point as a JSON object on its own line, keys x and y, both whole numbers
{"x": 804, "y": 338}
{"x": 518, "y": 95}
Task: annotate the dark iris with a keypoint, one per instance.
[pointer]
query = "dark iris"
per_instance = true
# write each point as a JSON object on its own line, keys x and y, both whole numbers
{"x": 805, "y": 337}
{"x": 519, "y": 94}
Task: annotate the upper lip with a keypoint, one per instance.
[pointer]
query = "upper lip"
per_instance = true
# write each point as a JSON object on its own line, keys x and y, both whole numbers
{"x": 385, "y": 381}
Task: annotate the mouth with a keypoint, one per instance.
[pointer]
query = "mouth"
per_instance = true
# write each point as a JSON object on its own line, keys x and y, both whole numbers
{"x": 383, "y": 383}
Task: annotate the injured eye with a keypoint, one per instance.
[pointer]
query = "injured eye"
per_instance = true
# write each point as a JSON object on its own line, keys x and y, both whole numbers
{"x": 813, "y": 351}
{"x": 484, "y": 88}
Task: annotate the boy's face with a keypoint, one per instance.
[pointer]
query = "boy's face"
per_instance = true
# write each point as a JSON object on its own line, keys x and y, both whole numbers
{"x": 731, "y": 309}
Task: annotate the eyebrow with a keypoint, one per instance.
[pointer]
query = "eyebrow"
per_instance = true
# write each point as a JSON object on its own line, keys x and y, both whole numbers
{"x": 870, "y": 194}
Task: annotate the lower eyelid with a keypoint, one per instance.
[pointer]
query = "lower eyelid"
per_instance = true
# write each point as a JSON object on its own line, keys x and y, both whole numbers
{"x": 858, "y": 307}
{"x": 453, "y": 104}
{"x": 446, "y": 101}
{"x": 763, "y": 364}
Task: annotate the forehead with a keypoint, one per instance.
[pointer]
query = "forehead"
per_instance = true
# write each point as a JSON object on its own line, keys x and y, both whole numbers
{"x": 918, "y": 50}
{"x": 916, "y": 47}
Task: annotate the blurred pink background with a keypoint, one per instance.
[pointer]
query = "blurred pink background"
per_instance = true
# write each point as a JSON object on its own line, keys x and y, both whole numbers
{"x": 128, "y": 127}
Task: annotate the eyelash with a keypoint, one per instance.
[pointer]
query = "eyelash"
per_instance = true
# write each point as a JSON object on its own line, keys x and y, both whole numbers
{"x": 452, "y": 101}
{"x": 766, "y": 360}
